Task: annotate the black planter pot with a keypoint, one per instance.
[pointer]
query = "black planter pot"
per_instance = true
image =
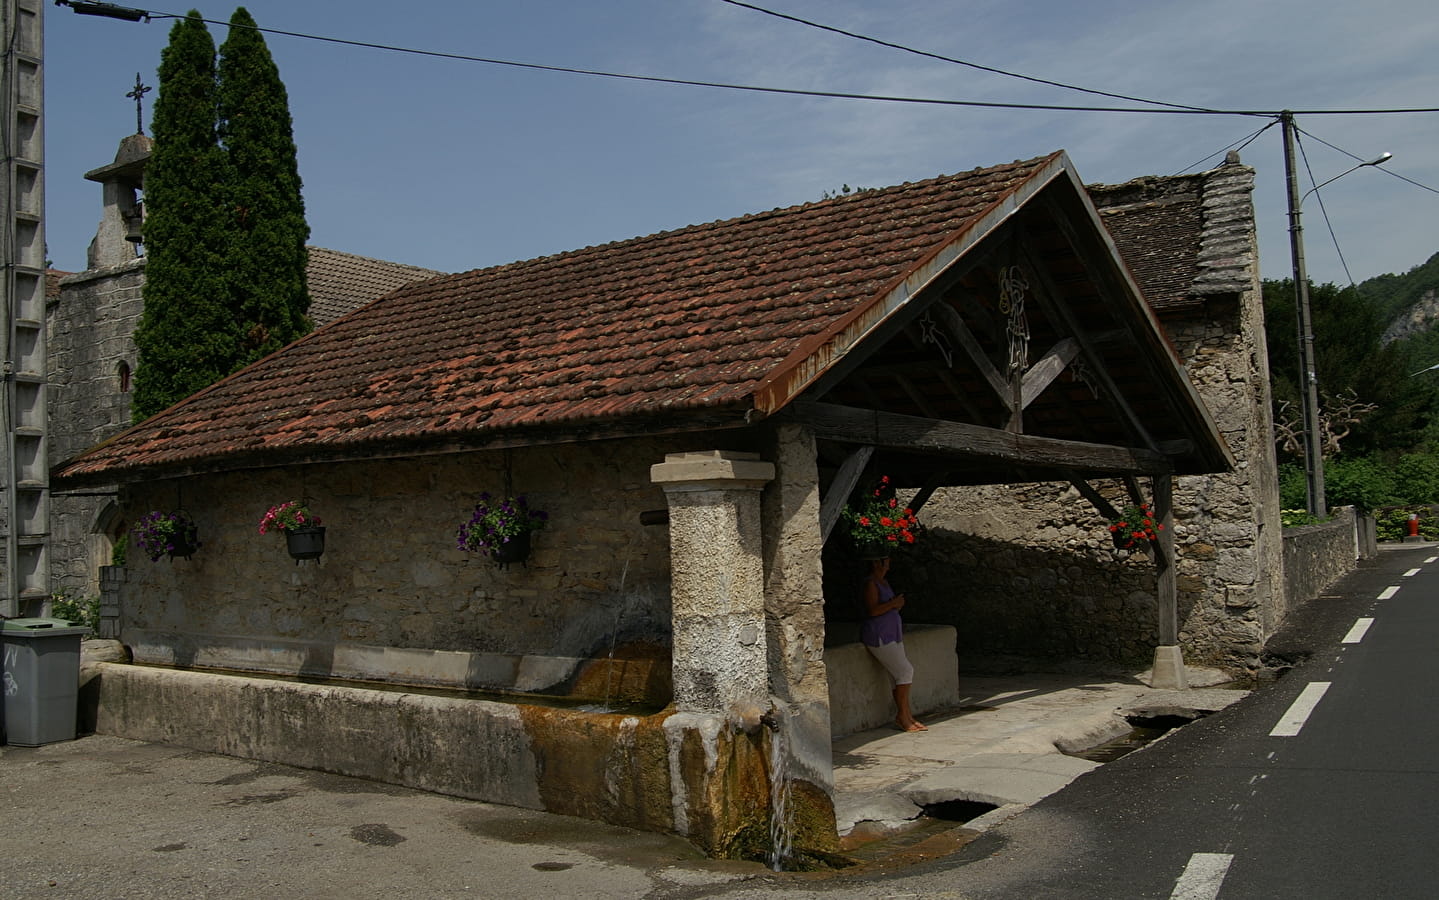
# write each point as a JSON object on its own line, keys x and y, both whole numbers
{"x": 515, "y": 550}
{"x": 305, "y": 543}
{"x": 186, "y": 542}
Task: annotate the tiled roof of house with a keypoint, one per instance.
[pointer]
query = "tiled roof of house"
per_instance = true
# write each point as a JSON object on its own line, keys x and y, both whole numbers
{"x": 1184, "y": 237}
{"x": 343, "y": 282}
{"x": 681, "y": 321}
{"x": 52, "y": 282}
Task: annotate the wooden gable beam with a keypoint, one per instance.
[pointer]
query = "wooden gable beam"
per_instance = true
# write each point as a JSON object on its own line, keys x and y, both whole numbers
{"x": 1050, "y": 298}
{"x": 953, "y": 322}
{"x": 839, "y": 490}
{"x": 912, "y": 433}
{"x": 1042, "y": 374}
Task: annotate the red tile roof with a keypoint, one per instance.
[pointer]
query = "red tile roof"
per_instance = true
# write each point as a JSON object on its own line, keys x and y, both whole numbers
{"x": 656, "y": 326}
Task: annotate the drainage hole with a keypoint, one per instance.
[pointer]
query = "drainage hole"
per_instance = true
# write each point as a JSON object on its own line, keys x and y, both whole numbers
{"x": 958, "y": 810}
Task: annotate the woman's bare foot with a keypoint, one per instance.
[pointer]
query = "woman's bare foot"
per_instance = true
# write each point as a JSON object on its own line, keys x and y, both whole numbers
{"x": 912, "y": 726}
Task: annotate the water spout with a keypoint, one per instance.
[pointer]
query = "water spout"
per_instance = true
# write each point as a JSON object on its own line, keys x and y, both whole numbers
{"x": 781, "y": 816}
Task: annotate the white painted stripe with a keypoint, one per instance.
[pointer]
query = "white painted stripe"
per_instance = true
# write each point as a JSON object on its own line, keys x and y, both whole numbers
{"x": 1411, "y": 573}
{"x": 1431, "y": 559}
{"x": 1389, "y": 592}
{"x": 1202, "y": 877}
{"x": 1298, "y": 713}
{"x": 1356, "y": 634}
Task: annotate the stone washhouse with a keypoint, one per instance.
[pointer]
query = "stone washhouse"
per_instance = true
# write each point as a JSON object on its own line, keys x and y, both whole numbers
{"x": 1042, "y": 581}
{"x": 692, "y": 409}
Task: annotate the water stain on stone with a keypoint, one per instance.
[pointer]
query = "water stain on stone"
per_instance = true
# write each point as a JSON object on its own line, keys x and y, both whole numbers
{"x": 256, "y": 799}
{"x": 376, "y": 835}
{"x": 169, "y": 848}
{"x": 552, "y": 866}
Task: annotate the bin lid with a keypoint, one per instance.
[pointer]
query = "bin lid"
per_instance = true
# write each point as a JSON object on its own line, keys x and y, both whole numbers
{"x": 40, "y": 627}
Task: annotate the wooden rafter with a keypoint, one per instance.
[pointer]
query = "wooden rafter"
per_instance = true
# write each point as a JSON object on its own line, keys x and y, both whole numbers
{"x": 959, "y": 440}
{"x": 840, "y": 488}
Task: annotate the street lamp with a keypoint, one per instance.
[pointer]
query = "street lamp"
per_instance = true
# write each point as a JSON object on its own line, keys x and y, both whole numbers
{"x": 1309, "y": 380}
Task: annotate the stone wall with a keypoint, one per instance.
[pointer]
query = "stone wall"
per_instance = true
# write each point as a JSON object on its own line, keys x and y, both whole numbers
{"x": 90, "y": 328}
{"x": 1315, "y": 556}
{"x": 391, "y": 575}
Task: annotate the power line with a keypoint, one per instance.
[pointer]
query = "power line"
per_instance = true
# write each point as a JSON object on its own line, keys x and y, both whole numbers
{"x": 1324, "y": 211}
{"x": 1241, "y": 144}
{"x": 1386, "y": 170}
{"x": 961, "y": 62}
{"x": 840, "y": 95}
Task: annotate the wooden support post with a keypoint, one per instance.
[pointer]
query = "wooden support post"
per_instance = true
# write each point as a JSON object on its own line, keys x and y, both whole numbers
{"x": 1169, "y": 670}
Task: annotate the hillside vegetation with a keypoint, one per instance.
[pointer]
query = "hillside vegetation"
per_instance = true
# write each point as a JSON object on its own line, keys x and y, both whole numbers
{"x": 1379, "y": 407}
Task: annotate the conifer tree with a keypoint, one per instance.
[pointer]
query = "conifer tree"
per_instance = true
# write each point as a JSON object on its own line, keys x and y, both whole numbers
{"x": 267, "y": 256}
{"x": 188, "y": 337}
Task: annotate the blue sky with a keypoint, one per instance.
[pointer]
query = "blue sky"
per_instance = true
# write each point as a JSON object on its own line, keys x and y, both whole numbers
{"x": 456, "y": 165}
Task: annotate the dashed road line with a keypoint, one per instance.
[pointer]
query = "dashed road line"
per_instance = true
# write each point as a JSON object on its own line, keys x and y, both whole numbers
{"x": 1411, "y": 573}
{"x": 1298, "y": 713}
{"x": 1202, "y": 877}
{"x": 1356, "y": 634}
{"x": 1431, "y": 559}
{"x": 1389, "y": 592}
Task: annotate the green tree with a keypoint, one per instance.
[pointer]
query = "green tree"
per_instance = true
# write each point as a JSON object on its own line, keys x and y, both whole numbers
{"x": 267, "y": 255}
{"x": 187, "y": 337}
{"x": 1350, "y": 359}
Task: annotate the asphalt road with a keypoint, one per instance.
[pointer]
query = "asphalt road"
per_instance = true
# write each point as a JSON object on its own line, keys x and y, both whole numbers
{"x": 1226, "y": 808}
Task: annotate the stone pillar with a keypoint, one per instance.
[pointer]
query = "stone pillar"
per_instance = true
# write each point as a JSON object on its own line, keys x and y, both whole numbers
{"x": 717, "y": 580}
{"x": 719, "y": 784}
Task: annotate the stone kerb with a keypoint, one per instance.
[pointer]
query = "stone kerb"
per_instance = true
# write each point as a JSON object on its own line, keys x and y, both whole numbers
{"x": 1317, "y": 555}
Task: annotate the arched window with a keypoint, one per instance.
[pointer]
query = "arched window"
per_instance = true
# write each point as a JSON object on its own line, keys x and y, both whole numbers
{"x": 122, "y": 372}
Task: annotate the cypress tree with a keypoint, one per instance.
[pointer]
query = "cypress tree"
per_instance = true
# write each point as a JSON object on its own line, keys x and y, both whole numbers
{"x": 187, "y": 337}
{"x": 267, "y": 256}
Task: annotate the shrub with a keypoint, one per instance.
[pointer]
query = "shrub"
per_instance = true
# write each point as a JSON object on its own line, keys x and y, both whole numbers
{"x": 83, "y": 611}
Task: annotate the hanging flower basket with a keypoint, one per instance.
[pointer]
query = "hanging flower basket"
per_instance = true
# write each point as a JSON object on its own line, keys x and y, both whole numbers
{"x": 304, "y": 537}
{"x": 515, "y": 550}
{"x": 1135, "y": 528}
{"x": 172, "y": 534}
{"x": 878, "y": 524}
{"x": 501, "y": 528}
{"x": 305, "y": 542}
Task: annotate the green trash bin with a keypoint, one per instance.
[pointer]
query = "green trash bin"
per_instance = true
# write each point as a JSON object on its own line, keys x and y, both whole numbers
{"x": 41, "y": 680}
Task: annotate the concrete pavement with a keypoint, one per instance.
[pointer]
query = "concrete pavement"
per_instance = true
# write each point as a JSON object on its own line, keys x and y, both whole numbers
{"x": 1005, "y": 745}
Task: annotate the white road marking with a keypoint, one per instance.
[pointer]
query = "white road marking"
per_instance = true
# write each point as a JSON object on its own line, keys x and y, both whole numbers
{"x": 1356, "y": 634}
{"x": 1389, "y": 592}
{"x": 1411, "y": 573}
{"x": 1298, "y": 713}
{"x": 1202, "y": 877}
{"x": 1431, "y": 559}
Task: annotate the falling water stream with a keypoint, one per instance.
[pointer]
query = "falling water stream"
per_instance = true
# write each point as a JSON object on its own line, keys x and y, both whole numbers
{"x": 615, "y": 635}
{"x": 781, "y": 817}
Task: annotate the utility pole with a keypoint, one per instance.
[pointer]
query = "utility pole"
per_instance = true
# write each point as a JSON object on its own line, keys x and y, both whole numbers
{"x": 24, "y": 469}
{"x": 1308, "y": 378}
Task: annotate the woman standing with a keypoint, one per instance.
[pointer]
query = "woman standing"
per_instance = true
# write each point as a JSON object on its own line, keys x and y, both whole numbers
{"x": 882, "y": 632}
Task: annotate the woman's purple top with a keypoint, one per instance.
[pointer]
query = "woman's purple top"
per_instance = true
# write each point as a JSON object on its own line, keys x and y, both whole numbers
{"x": 885, "y": 628}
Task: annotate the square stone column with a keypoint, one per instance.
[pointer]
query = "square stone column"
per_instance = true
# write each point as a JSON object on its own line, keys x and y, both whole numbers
{"x": 717, "y": 580}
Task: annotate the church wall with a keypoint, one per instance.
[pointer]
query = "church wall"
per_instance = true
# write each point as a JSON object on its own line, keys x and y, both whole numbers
{"x": 90, "y": 328}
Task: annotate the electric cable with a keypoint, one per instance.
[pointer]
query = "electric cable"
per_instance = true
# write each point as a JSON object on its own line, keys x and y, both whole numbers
{"x": 1322, "y": 209}
{"x": 961, "y": 62}
{"x": 1242, "y": 143}
{"x": 841, "y": 95}
{"x": 1357, "y": 158}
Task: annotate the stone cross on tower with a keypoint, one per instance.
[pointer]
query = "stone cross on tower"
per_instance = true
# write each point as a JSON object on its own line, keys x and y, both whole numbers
{"x": 139, "y": 92}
